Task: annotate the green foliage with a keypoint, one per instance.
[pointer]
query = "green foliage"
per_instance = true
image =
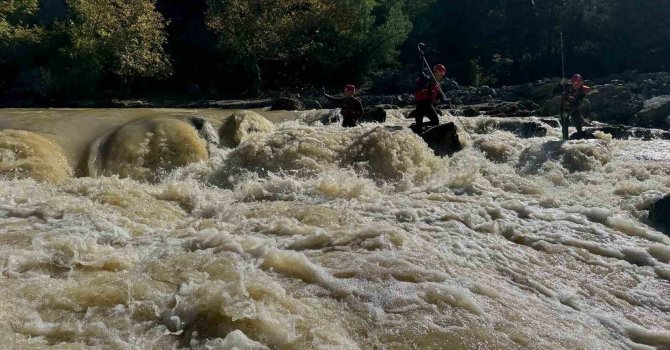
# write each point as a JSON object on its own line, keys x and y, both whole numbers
{"x": 15, "y": 26}
{"x": 118, "y": 46}
{"x": 328, "y": 37}
{"x": 124, "y": 37}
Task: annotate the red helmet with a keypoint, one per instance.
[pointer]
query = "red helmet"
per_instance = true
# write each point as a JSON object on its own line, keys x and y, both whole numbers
{"x": 440, "y": 68}
{"x": 349, "y": 88}
{"x": 576, "y": 78}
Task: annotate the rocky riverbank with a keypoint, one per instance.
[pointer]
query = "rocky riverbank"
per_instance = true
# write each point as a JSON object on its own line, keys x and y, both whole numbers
{"x": 623, "y": 101}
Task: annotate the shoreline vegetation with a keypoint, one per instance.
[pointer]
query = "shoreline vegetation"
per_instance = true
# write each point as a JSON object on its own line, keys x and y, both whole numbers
{"x": 69, "y": 52}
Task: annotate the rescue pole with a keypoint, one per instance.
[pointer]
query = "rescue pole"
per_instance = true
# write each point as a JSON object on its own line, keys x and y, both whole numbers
{"x": 564, "y": 122}
{"x": 439, "y": 86}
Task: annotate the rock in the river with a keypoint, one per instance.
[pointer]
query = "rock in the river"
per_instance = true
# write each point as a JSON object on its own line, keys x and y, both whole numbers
{"x": 614, "y": 103}
{"x": 659, "y": 215}
{"x": 584, "y": 135}
{"x": 287, "y": 103}
{"x": 655, "y": 114}
{"x": 443, "y": 139}
{"x": 376, "y": 114}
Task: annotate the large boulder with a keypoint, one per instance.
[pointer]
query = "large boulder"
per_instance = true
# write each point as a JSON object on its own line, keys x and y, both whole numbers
{"x": 287, "y": 103}
{"x": 655, "y": 114}
{"x": 551, "y": 107}
{"x": 543, "y": 90}
{"x": 659, "y": 215}
{"x": 614, "y": 103}
{"x": 443, "y": 139}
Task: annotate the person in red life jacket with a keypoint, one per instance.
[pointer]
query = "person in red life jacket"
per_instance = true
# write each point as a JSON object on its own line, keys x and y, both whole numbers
{"x": 426, "y": 95}
{"x": 351, "y": 107}
{"x": 574, "y": 97}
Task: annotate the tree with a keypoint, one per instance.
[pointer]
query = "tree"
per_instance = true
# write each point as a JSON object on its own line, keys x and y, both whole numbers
{"x": 15, "y": 26}
{"x": 20, "y": 36}
{"x": 312, "y": 39}
{"x": 123, "y": 37}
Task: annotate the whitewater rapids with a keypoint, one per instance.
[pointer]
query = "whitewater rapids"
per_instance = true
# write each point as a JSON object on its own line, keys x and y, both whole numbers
{"x": 296, "y": 235}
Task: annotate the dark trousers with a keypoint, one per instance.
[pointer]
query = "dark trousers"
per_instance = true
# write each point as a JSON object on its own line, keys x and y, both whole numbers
{"x": 425, "y": 109}
{"x": 577, "y": 119}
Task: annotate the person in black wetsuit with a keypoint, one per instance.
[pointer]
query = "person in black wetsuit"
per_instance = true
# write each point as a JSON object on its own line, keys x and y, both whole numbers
{"x": 426, "y": 95}
{"x": 351, "y": 107}
{"x": 574, "y": 96}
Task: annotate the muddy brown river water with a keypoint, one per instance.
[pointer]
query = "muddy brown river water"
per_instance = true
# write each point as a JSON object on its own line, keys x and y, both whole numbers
{"x": 127, "y": 229}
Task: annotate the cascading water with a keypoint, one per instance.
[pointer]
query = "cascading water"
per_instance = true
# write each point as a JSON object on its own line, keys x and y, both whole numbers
{"x": 307, "y": 236}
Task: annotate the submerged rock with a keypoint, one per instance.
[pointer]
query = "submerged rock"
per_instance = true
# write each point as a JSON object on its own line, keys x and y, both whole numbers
{"x": 622, "y": 132}
{"x": 25, "y": 154}
{"x": 145, "y": 148}
{"x": 660, "y": 215}
{"x": 521, "y": 127}
{"x": 583, "y": 135}
{"x": 238, "y": 127}
{"x": 376, "y": 114}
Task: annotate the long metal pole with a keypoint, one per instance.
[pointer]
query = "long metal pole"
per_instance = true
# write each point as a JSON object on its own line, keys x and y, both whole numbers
{"x": 564, "y": 121}
{"x": 439, "y": 87}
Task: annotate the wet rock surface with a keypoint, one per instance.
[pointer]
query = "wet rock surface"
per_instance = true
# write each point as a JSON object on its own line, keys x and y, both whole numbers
{"x": 655, "y": 113}
{"x": 660, "y": 215}
{"x": 584, "y": 135}
{"x": 287, "y": 103}
{"x": 502, "y": 109}
{"x": 376, "y": 114}
{"x": 442, "y": 139}
{"x": 613, "y": 103}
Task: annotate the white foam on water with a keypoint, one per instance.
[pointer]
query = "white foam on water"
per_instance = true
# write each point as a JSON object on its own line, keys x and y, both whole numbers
{"x": 318, "y": 237}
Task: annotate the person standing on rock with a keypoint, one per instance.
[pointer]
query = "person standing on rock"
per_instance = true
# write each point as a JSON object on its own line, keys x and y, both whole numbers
{"x": 425, "y": 96}
{"x": 573, "y": 99}
{"x": 351, "y": 107}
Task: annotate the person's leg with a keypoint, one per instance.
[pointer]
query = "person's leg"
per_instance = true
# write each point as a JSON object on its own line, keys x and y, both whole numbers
{"x": 432, "y": 116}
{"x": 565, "y": 125}
{"x": 418, "y": 118}
{"x": 577, "y": 120}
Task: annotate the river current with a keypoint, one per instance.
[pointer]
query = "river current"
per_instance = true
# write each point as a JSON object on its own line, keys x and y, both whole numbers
{"x": 131, "y": 229}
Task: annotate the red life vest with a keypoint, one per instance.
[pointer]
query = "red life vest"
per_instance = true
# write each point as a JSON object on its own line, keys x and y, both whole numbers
{"x": 426, "y": 90}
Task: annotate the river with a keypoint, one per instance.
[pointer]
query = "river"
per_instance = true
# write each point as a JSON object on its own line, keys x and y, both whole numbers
{"x": 125, "y": 229}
